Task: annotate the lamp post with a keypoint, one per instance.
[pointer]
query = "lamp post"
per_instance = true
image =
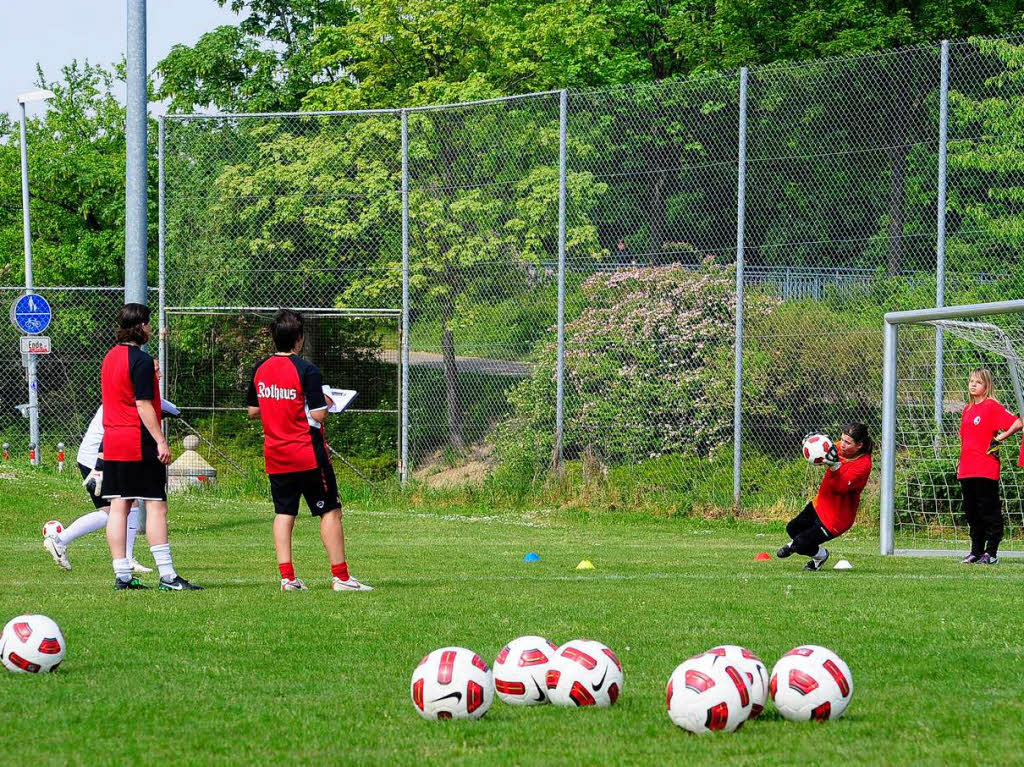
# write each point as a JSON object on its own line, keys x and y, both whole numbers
{"x": 33, "y": 382}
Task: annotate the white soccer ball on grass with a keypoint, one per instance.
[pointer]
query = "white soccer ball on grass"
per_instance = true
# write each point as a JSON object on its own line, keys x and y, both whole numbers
{"x": 708, "y": 693}
{"x": 754, "y": 670}
{"x": 32, "y": 644}
{"x": 584, "y": 673}
{"x": 520, "y": 671}
{"x": 53, "y": 527}
{"x": 452, "y": 683}
{"x": 811, "y": 683}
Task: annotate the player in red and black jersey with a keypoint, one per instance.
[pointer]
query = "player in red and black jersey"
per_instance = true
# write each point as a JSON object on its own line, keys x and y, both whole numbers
{"x": 834, "y": 508}
{"x": 286, "y": 394}
{"x": 135, "y": 452}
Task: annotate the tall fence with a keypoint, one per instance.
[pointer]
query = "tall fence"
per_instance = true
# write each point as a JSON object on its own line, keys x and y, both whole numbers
{"x": 569, "y": 274}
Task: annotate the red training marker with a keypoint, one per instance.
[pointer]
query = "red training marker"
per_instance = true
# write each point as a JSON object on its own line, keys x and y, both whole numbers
{"x": 763, "y": 556}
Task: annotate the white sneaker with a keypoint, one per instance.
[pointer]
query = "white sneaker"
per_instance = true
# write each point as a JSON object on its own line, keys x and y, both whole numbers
{"x": 292, "y": 584}
{"x": 337, "y": 584}
{"x": 57, "y": 550}
{"x": 138, "y": 567}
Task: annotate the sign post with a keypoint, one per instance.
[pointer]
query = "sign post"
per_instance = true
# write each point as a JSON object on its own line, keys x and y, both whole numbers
{"x": 31, "y": 314}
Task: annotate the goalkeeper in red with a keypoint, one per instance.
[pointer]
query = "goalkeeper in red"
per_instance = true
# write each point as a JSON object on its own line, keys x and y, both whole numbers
{"x": 834, "y": 508}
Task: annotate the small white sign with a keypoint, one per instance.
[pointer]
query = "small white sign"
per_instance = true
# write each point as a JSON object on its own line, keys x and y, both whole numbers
{"x": 35, "y": 345}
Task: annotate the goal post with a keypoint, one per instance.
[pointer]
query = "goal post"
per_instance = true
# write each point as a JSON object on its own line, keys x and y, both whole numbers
{"x": 923, "y": 392}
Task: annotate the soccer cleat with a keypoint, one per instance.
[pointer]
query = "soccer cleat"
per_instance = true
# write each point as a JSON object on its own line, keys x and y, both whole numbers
{"x": 58, "y": 551}
{"x": 177, "y": 584}
{"x": 970, "y": 559}
{"x": 337, "y": 584}
{"x": 988, "y": 559}
{"x": 138, "y": 567}
{"x": 815, "y": 563}
{"x": 784, "y": 552}
{"x": 131, "y": 584}
{"x": 292, "y": 584}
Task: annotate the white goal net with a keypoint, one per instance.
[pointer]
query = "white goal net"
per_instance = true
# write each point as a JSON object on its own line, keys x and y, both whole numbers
{"x": 929, "y": 357}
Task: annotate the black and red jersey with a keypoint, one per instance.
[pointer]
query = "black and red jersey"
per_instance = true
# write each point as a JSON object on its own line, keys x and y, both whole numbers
{"x": 282, "y": 387}
{"x": 128, "y": 374}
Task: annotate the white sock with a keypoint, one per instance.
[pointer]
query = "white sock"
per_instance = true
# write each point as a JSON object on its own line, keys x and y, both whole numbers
{"x": 822, "y": 553}
{"x": 133, "y": 530}
{"x": 122, "y": 570}
{"x": 85, "y": 524}
{"x": 162, "y": 557}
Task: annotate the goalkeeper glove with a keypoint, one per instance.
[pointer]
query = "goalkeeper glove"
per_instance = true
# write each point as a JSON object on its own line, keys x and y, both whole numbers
{"x": 993, "y": 447}
{"x": 93, "y": 482}
{"x": 832, "y": 458}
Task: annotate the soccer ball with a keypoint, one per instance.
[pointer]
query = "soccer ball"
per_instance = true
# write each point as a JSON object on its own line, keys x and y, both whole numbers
{"x": 584, "y": 673}
{"x": 32, "y": 644}
{"x": 708, "y": 693}
{"x": 452, "y": 683}
{"x": 53, "y": 527}
{"x": 520, "y": 670}
{"x": 815, "y": 447}
{"x": 811, "y": 682}
{"x": 753, "y": 669}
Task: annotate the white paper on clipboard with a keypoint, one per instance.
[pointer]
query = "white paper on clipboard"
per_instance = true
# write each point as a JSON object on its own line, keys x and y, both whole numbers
{"x": 341, "y": 398}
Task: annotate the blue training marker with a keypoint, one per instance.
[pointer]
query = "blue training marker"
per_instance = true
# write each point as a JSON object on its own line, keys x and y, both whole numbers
{"x": 531, "y": 557}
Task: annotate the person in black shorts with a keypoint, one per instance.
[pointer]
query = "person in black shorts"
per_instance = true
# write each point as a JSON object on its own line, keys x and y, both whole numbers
{"x": 286, "y": 394}
{"x": 135, "y": 452}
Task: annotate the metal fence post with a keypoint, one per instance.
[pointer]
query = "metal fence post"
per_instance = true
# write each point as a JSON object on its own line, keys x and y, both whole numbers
{"x": 31, "y": 363}
{"x": 403, "y": 461}
{"x": 563, "y": 121}
{"x": 135, "y": 287}
{"x": 940, "y": 250}
{"x": 741, "y": 210}
{"x": 161, "y": 262}
{"x": 885, "y": 520}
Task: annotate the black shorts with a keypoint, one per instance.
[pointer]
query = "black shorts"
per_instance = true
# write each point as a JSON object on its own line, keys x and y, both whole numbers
{"x": 99, "y": 503}
{"x": 145, "y": 479}
{"x": 318, "y": 486}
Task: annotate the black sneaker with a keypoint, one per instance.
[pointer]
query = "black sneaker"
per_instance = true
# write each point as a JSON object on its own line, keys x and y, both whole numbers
{"x": 178, "y": 584}
{"x": 784, "y": 552}
{"x": 131, "y": 584}
{"x": 816, "y": 564}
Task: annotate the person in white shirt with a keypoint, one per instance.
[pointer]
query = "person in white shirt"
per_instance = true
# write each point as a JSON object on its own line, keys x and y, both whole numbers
{"x": 90, "y": 464}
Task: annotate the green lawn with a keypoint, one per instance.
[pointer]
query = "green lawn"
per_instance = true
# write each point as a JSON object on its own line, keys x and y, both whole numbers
{"x": 244, "y": 674}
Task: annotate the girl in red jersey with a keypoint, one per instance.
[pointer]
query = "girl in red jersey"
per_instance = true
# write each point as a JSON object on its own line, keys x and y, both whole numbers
{"x": 984, "y": 425}
{"x": 834, "y": 508}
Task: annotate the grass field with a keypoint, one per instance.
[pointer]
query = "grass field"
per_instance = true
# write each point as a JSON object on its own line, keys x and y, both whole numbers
{"x": 244, "y": 674}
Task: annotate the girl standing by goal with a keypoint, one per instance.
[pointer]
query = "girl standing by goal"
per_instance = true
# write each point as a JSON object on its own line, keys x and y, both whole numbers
{"x": 984, "y": 425}
{"x": 834, "y": 508}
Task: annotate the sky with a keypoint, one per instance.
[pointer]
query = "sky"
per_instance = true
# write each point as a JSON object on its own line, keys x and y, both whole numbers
{"x": 53, "y": 32}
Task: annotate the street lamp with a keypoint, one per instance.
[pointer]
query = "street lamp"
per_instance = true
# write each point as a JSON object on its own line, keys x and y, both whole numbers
{"x": 33, "y": 383}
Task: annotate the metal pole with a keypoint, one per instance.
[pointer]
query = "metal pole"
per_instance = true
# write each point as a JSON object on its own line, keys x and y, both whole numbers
{"x": 33, "y": 378}
{"x": 563, "y": 122}
{"x": 741, "y": 211}
{"x": 885, "y": 540}
{"x": 161, "y": 260}
{"x": 940, "y": 250}
{"x": 135, "y": 175}
{"x": 403, "y": 462}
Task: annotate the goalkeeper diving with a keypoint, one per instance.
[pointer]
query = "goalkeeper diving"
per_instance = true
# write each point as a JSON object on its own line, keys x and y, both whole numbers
{"x": 834, "y": 508}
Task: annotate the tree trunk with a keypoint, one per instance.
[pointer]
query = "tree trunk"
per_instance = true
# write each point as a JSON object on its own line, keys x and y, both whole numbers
{"x": 656, "y": 223}
{"x": 451, "y": 379}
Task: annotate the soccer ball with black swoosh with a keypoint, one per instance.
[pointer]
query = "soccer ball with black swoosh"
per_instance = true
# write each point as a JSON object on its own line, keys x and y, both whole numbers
{"x": 32, "y": 644}
{"x": 520, "y": 670}
{"x": 452, "y": 683}
{"x": 584, "y": 673}
{"x": 811, "y": 682}
{"x": 708, "y": 693}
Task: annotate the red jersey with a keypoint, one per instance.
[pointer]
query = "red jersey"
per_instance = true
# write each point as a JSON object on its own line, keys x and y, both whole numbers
{"x": 978, "y": 425}
{"x": 128, "y": 374}
{"x": 839, "y": 493}
{"x": 282, "y": 387}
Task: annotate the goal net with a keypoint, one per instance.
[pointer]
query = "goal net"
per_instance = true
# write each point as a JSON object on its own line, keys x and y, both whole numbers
{"x": 929, "y": 357}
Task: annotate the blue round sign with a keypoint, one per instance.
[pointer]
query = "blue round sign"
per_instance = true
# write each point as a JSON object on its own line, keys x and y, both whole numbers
{"x": 31, "y": 313}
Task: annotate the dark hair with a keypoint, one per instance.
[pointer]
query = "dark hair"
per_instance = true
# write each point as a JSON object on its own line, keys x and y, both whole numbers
{"x": 130, "y": 320}
{"x": 286, "y": 329}
{"x": 859, "y": 433}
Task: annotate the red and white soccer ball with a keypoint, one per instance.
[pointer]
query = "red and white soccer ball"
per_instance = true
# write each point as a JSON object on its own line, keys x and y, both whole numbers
{"x": 584, "y": 673}
{"x": 53, "y": 527}
{"x": 452, "y": 683}
{"x": 32, "y": 644}
{"x": 811, "y": 682}
{"x": 754, "y": 671}
{"x": 708, "y": 693}
{"x": 520, "y": 671}
{"x": 815, "y": 447}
